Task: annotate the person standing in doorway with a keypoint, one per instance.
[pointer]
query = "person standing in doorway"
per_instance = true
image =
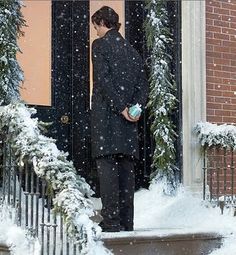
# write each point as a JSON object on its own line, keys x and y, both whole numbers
{"x": 119, "y": 82}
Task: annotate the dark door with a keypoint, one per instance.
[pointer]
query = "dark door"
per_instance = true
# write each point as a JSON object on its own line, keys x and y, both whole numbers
{"x": 69, "y": 113}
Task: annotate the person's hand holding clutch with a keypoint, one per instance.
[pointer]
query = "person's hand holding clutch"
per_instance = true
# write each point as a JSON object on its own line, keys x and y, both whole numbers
{"x": 132, "y": 113}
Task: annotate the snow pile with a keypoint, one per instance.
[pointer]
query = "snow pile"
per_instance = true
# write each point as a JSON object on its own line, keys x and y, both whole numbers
{"x": 17, "y": 239}
{"x": 183, "y": 213}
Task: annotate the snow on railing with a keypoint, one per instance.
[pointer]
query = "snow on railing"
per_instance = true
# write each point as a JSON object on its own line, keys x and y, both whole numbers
{"x": 37, "y": 177}
{"x": 219, "y": 145}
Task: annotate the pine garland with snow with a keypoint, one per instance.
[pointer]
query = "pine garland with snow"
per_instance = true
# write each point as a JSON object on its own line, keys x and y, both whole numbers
{"x": 213, "y": 135}
{"x": 162, "y": 99}
{"x": 22, "y": 132}
{"x": 72, "y": 193}
{"x": 11, "y": 75}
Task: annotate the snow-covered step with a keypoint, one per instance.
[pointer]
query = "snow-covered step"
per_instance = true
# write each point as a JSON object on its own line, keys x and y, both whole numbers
{"x": 154, "y": 243}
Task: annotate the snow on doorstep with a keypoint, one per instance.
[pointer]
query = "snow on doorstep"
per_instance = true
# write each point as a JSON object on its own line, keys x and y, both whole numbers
{"x": 14, "y": 237}
{"x": 159, "y": 215}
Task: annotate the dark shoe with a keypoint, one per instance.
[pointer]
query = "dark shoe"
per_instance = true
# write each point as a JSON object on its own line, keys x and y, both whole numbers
{"x": 109, "y": 228}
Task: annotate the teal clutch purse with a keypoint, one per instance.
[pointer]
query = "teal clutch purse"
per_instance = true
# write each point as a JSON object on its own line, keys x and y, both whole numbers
{"x": 135, "y": 110}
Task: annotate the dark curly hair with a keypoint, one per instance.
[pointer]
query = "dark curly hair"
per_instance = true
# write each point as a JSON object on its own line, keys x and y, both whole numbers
{"x": 108, "y": 16}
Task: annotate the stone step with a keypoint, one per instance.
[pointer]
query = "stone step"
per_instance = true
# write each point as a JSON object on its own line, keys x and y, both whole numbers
{"x": 145, "y": 243}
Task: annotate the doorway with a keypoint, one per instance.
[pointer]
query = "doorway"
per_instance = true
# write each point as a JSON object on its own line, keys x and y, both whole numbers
{"x": 70, "y": 82}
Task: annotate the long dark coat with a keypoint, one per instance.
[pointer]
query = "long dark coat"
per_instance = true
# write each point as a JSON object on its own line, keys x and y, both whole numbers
{"x": 119, "y": 81}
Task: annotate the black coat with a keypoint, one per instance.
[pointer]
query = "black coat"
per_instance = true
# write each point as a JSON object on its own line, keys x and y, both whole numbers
{"x": 119, "y": 80}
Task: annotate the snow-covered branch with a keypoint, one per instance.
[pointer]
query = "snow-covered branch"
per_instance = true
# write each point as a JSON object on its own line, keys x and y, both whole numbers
{"x": 216, "y": 135}
{"x": 162, "y": 99}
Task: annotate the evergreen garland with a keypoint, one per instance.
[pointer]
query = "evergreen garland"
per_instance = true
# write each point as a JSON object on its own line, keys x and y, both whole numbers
{"x": 162, "y": 99}
{"x": 11, "y": 75}
{"x": 213, "y": 135}
{"x": 22, "y": 132}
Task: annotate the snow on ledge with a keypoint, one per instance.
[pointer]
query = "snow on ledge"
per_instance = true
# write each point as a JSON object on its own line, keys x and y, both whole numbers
{"x": 216, "y": 135}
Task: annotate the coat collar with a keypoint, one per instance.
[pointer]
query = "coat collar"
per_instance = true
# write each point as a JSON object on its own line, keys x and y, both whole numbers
{"x": 111, "y": 32}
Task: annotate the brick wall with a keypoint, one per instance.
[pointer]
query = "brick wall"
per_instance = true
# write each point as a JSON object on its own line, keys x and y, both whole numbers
{"x": 221, "y": 87}
{"x": 221, "y": 60}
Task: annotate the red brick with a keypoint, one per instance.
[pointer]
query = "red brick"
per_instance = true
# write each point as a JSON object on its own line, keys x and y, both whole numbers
{"x": 229, "y": 106}
{"x": 213, "y": 3}
{"x": 209, "y": 60}
{"x": 229, "y": 56}
{"x": 233, "y": 37}
{"x": 229, "y": 44}
{"x": 222, "y": 74}
{"x": 233, "y": 50}
{"x": 220, "y": 23}
{"x": 222, "y": 100}
{"x": 210, "y": 85}
{"x": 228, "y": 31}
{"x": 228, "y": 6}
{"x": 214, "y": 54}
{"x": 214, "y": 80}
{"x": 221, "y": 61}
{"x": 221, "y": 11}
{"x": 232, "y": 13}
{"x": 221, "y": 49}
{"x": 210, "y": 99}
{"x": 209, "y": 47}
{"x": 229, "y": 68}
{"x": 229, "y": 81}
{"x": 228, "y": 94}
{"x": 233, "y": 113}
{"x": 210, "y": 112}
{"x": 213, "y": 67}
{"x": 223, "y": 87}
{"x": 221, "y": 36}
{"x": 222, "y": 113}
{"x": 229, "y": 119}
{"x": 213, "y": 41}
{"x": 214, "y": 92}
{"x": 209, "y": 22}
{"x": 209, "y": 34}
{"x": 213, "y": 16}
{"x": 209, "y": 72}
{"x": 213, "y": 29}
{"x": 214, "y": 119}
{"x": 233, "y": 76}
{"x": 232, "y": 25}
{"x": 214, "y": 106}
{"x": 233, "y": 62}
{"x": 210, "y": 9}
{"x": 228, "y": 18}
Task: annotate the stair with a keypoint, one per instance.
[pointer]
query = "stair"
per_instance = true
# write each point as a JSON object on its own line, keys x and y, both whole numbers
{"x": 151, "y": 243}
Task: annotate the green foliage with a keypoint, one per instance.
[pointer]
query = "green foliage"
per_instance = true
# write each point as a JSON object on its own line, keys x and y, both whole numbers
{"x": 162, "y": 99}
{"x": 11, "y": 22}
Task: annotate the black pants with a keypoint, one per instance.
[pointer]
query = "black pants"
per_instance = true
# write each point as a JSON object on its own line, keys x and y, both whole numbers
{"x": 117, "y": 184}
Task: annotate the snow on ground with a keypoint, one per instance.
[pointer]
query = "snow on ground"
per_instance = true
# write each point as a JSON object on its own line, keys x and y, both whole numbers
{"x": 14, "y": 237}
{"x": 155, "y": 214}
{"x": 162, "y": 215}
{"x": 185, "y": 213}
